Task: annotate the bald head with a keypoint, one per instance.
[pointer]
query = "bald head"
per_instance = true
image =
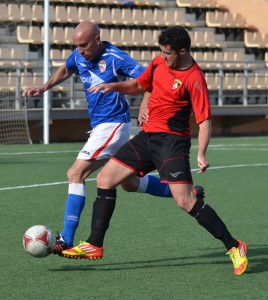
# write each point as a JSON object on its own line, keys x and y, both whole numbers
{"x": 86, "y": 37}
{"x": 86, "y": 30}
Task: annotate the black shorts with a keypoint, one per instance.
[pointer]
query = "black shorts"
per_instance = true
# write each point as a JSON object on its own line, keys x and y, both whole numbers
{"x": 168, "y": 153}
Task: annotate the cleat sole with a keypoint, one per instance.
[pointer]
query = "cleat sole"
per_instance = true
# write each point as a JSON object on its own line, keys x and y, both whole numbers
{"x": 81, "y": 257}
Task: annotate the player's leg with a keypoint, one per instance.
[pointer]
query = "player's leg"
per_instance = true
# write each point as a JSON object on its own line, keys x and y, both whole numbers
{"x": 77, "y": 174}
{"x": 123, "y": 165}
{"x": 104, "y": 140}
{"x": 208, "y": 218}
{"x": 152, "y": 185}
{"x": 203, "y": 213}
{"x": 173, "y": 164}
{"x": 112, "y": 174}
{"x": 148, "y": 184}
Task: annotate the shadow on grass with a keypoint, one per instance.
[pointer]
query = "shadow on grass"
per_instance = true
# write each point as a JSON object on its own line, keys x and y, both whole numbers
{"x": 258, "y": 261}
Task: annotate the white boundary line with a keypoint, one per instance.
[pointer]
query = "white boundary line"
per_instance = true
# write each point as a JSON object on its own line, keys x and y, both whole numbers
{"x": 93, "y": 179}
{"x": 211, "y": 147}
{"x": 37, "y": 152}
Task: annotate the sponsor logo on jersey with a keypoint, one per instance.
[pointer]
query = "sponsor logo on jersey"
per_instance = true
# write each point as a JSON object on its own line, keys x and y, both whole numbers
{"x": 86, "y": 79}
{"x": 197, "y": 86}
{"x": 176, "y": 84}
{"x": 135, "y": 68}
{"x": 102, "y": 66}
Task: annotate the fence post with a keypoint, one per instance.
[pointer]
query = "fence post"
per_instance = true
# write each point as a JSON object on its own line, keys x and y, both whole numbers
{"x": 72, "y": 87}
{"x": 220, "y": 102}
{"x": 245, "y": 92}
{"x": 18, "y": 92}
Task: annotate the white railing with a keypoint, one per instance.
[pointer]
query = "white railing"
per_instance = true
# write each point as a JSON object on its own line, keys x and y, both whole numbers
{"x": 227, "y": 85}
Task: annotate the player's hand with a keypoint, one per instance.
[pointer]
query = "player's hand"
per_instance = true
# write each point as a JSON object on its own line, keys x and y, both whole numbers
{"x": 103, "y": 87}
{"x": 32, "y": 92}
{"x": 202, "y": 164}
{"x": 143, "y": 115}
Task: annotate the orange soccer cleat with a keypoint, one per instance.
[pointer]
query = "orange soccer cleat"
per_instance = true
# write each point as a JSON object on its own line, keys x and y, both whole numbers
{"x": 84, "y": 250}
{"x": 239, "y": 258}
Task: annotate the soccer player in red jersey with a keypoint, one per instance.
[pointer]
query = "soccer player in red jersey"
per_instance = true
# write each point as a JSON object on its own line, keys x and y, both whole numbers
{"x": 177, "y": 88}
{"x": 98, "y": 61}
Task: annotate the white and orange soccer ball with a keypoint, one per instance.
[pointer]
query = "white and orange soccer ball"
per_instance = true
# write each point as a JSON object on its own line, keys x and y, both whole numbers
{"x": 39, "y": 241}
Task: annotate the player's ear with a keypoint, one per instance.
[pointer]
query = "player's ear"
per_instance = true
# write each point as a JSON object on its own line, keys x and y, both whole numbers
{"x": 182, "y": 51}
{"x": 97, "y": 39}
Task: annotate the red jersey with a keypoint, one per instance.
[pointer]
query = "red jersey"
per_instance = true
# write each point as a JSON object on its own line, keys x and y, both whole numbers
{"x": 175, "y": 94}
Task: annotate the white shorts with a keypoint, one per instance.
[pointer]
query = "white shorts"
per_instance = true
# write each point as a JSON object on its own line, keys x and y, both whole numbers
{"x": 104, "y": 140}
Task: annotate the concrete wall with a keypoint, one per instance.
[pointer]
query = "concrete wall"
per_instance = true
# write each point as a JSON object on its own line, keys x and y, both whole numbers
{"x": 75, "y": 130}
{"x": 255, "y": 12}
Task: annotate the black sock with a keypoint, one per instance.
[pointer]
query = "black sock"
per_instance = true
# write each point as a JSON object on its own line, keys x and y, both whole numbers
{"x": 103, "y": 209}
{"x": 208, "y": 218}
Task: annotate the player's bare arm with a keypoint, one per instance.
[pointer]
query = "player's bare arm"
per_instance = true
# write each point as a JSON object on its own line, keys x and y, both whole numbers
{"x": 203, "y": 141}
{"x": 59, "y": 76}
{"x": 129, "y": 87}
{"x": 143, "y": 111}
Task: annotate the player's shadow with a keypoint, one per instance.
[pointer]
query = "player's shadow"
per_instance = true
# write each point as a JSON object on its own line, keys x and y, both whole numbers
{"x": 257, "y": 255}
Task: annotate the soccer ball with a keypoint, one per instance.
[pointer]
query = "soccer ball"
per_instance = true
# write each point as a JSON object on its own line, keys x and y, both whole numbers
{"x": 39, "y": 240}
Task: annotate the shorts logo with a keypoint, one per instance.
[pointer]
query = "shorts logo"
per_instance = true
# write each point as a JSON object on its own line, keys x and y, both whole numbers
{"x": 176, "y": 84}
{"x": 102, "y": 66}
{"x": 85, "y": 152}
{"x": 175, "y": 175}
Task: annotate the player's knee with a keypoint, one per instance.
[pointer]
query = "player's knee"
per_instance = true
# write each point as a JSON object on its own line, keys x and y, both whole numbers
{"x": 181, "y": 202}
{"x": 185, "y": 203}
{"x": 69, "y": 174}
{"x": 127, "y": 187}
{"x": 131, "y": 184}
{"x": 74, "y": 175}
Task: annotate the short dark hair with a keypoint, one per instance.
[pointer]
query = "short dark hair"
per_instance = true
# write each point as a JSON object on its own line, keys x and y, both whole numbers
{"x": 175, "y": 36}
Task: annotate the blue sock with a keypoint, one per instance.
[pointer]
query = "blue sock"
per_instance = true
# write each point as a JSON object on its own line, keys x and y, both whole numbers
{"x": 151, "y": 185}
{"x": 74, "y": 206}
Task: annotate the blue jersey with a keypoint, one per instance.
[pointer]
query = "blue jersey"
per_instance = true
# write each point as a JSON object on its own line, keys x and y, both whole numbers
{"x": 112, "y": 66}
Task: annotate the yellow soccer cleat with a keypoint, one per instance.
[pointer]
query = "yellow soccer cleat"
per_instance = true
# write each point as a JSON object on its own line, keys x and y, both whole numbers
{"x": 84, "y": 250}
{"x": 239, "y": 258}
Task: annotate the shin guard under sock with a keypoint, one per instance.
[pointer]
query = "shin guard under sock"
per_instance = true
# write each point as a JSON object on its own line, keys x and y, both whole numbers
{"x": 208, "y": 218}
{"x": 103, "y": 209}
{"x": 73, "y": 209}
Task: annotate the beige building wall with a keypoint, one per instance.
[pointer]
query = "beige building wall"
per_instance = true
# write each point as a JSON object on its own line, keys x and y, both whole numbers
{"x": 255, "y": 12}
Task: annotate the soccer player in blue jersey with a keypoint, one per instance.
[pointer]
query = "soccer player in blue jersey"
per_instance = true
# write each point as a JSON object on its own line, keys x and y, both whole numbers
{"x": 96, "y": 62}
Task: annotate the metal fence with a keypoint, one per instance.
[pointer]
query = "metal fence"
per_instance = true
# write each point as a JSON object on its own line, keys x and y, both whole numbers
{"x": 227, "y": 85}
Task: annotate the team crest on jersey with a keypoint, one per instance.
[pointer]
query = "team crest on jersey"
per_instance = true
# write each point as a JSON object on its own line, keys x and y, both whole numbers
{"x": 176, "y": 84}
{"x": 102, "y": 66}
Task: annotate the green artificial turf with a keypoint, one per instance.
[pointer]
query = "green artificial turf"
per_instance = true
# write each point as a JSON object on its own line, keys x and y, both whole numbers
{"x": 153, "y": 250}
